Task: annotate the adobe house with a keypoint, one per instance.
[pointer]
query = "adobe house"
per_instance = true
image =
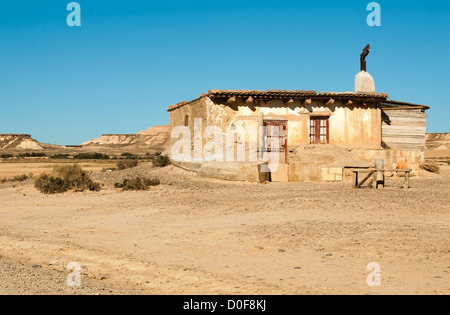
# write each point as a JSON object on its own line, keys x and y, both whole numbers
{"x": 321, "y": 134}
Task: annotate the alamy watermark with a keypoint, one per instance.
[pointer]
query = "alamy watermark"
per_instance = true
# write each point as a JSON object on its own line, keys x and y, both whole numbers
{"x": 74, "y": 17}
{"x": 74, "y": 278}
{"x": 374, "y": 278}
{"x": 237, "y": 144}
{"x": 374, "y": 18}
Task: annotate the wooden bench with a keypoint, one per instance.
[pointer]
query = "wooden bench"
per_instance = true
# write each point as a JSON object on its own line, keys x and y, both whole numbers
{"x": 374, "y": 174}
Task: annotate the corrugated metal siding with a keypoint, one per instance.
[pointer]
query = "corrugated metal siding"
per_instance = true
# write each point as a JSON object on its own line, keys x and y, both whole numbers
{"x": 404, "y": 129}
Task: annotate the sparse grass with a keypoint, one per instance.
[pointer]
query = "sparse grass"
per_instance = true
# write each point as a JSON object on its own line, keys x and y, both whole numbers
{"x": 137, "y": 183}
{"x": 66, "y": 177}
{"x": 17, "y": 178}
{"x": 21, "y": 178}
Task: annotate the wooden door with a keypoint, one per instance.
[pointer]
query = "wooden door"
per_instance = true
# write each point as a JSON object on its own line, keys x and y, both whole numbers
{"x": 279, "y": 130}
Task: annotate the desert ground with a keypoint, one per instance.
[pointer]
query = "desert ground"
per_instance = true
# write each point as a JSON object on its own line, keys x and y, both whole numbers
{"x": 201, "y": 236}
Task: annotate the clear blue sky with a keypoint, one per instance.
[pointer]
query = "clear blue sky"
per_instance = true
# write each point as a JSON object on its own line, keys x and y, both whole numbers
{"x": 130, "y": 60}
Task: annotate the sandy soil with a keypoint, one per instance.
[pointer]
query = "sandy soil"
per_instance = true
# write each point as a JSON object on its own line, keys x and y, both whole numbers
{"x": 198, "y": 236}
{"x": 429, "y": 154}
{"x": 11, "y": 169}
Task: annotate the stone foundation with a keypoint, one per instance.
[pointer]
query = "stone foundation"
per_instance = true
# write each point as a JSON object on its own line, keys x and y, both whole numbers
{"x": 308, "y": 165}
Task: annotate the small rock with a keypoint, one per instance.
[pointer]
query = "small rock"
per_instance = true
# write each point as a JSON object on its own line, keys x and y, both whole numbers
{"x": 281, "y": 251}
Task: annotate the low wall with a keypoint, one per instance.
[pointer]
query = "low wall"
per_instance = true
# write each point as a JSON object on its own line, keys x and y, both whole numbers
{"x": 234, "y": 171}
{"x": 402, "y": 159}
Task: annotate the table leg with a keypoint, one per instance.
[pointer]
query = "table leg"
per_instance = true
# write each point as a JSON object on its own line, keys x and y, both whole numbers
{"x": 355, "y": 179}
{"x": 407, "y": 180}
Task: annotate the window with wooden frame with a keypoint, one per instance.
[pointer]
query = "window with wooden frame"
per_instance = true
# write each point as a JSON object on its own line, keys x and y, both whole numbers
{"x": 320, "y": 130}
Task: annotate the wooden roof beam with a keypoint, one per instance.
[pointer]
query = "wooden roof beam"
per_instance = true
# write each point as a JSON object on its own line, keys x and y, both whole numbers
{"x": 348, "y": 103}
{"x": 288, "y": 101}
{"x": 231, "y": 100}
{"x": 329, "y": 102}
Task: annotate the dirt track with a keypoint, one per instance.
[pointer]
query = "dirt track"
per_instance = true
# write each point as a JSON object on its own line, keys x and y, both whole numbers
{"x": 193, "y": 236}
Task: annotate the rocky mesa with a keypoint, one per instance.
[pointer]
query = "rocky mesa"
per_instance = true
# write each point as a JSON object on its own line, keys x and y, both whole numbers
{"x": 438, "y": 141}
{"x": 19, "y": 142}
{"x": 155, "y": 137}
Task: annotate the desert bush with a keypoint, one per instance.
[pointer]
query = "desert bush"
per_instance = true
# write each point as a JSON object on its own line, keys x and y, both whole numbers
{"x": 32, "y": 154}
{"x": 124, "y": 164}
{"x": 47, "y": 184}
{"x": 160, "y": 160}
{"x": 91, "y": 156}
{"x": 60, "y": 156}
{"x": 6, "y": 156}
{"x": 129, "y": 155}
{"x": 137, "y": 183}
{"x": 430, "y": 167}
{"x": 67, "y": 177}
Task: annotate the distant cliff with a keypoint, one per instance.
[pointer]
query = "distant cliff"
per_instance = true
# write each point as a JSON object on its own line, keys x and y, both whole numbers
{"x": 438, "y": 141}
{"x": 19, "y": 142}
{"x": 155, "y": 137}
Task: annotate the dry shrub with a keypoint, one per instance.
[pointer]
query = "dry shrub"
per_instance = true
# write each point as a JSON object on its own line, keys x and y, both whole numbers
{"x": 67, "y": 177}
{"x": 91, "y": 156}
{"x": 137, "y": 183}
{"x": 122, "y": 165}
{"x": 60, "y": 156}
{"x": 430, "y": 167}
{"x": 47, "y": 184}
{"x": 160, "y": 160}
{"x": 32, "y": 154}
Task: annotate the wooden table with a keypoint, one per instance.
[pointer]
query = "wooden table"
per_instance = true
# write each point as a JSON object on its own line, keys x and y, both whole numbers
{"x": 374, "y": 174}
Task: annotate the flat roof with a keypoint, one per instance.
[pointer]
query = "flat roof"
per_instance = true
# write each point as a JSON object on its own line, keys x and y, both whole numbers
{"x": 391, "y": 104}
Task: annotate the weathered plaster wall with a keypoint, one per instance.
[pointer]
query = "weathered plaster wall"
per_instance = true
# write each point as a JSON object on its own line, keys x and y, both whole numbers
{"x": 349, "y": 125}
{"x": 187, "y": 114}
